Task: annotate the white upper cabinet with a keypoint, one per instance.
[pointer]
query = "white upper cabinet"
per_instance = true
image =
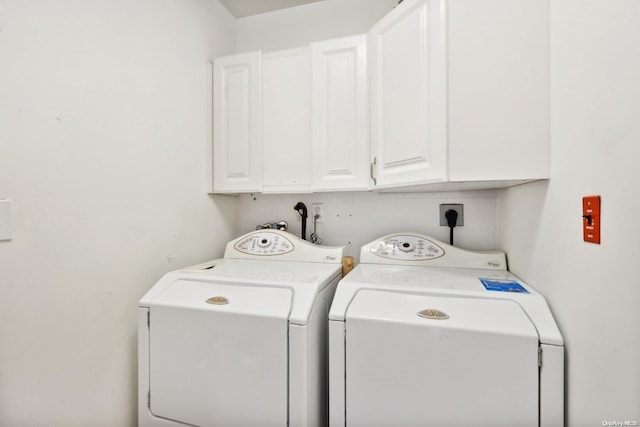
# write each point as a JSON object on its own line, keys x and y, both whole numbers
{"x": 408, "y": 96}
{"x": 286, "y": 105}
{"x": 292, "y": 121}
{"x": 237, "y": 120}
{"x": 339, "y": 125}
{"x": 460, "y": 94}
{"x": 441, "y": 95}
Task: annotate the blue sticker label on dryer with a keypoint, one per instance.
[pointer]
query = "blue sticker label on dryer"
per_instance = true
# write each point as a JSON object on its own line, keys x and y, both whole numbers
{"x": 503, "y": 286}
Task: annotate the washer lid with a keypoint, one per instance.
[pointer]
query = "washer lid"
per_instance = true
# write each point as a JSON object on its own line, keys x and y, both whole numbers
{"x": 246, "y": 300}
{"x": 269, "y": 272}
{"x": 304, "y": 280}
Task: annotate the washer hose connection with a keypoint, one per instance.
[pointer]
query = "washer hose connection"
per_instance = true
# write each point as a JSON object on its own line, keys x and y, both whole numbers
{"x": 302, "y": 210}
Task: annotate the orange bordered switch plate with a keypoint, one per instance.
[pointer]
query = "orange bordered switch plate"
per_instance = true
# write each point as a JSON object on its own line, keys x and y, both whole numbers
{"x": 591, "y": 219}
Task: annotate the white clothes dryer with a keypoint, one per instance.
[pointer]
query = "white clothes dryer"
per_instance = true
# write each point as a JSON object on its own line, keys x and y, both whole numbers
{"x": 422, "y": 333}
{"x": 240, "y": 341}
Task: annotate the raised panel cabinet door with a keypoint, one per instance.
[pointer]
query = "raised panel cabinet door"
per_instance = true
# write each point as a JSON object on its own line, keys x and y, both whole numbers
{"x": 408, "y": 95}
{"x": 286, "y": 105}
{"x": 237, "y": 123}
{"x": 340, "y": 114}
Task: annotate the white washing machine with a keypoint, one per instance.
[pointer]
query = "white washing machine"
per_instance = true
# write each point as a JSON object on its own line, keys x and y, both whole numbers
{"x": 426, "y": 334}
{"x": 240, "y": 341}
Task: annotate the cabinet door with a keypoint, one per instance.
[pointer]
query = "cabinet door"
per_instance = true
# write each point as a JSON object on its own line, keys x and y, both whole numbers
{"x": 498, "y": 61}
{"x": 286, "y": 105}
{"x": 408, "y": 95}
{"x": 340, "y": 114}
{"x": 237, "y": 121}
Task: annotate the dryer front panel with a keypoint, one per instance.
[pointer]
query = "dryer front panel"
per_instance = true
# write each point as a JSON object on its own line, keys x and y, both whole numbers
{"x": 218, "y": 354}
{"x": 439, "y": 361}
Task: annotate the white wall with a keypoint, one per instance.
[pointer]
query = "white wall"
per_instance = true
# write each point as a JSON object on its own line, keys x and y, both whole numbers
{"x": 103, "y": 141}
{"x": 353, "y": 218}
{"x": 593, "y": 290}
{"x": 104, "y": 110}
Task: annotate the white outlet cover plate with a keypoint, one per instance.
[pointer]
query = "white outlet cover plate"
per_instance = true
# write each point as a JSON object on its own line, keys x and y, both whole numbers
{"x": 317, "y": 207}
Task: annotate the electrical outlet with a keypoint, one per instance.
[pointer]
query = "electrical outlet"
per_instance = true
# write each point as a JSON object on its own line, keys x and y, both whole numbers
{"x": 456, "y": 207}
{"x": 317, "y": 209}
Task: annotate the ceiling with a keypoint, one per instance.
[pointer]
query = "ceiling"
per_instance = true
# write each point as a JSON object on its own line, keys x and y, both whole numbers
{"x": 242, "y": 8}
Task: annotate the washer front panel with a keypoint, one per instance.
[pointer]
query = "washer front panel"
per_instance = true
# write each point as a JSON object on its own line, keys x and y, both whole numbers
{"x": 407, "y": 247}
{"x": 264, "y": 243}
{"x": 219, "y": 365}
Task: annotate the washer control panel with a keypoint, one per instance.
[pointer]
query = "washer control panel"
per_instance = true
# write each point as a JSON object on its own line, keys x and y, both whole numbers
{"x": 264, "y": 243}
{"x": 407, "y": 247}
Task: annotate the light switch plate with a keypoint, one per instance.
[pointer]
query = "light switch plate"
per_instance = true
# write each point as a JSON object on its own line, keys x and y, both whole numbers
{"x": 591, "y": 219}
{"x": 5, "y": 220}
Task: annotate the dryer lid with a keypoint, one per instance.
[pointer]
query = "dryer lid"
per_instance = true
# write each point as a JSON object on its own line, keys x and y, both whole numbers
{"x": 444, "y": 281}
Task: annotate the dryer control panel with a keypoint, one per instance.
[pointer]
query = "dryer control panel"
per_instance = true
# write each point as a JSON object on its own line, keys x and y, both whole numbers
{"x": 264, "y": 243}
{"x": 407, "y": 247}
